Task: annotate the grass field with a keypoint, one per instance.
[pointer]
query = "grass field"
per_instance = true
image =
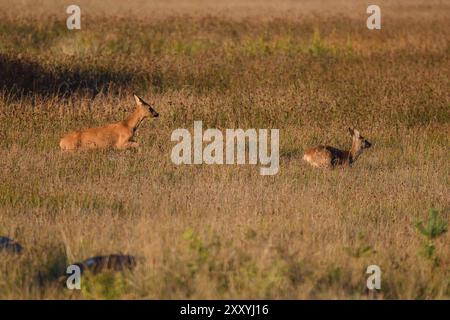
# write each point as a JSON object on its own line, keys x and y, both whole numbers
{"x": 308, "y": 68}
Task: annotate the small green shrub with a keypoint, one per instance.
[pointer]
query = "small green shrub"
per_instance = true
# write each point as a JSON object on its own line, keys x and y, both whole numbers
{"x": 431, "y": 229}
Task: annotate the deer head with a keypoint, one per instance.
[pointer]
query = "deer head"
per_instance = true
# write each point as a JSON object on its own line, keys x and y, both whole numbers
{"x": 146, "y": 108}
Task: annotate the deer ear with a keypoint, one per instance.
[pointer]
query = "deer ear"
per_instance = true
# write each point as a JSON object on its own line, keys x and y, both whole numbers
{"x": 138, "y": 100}
{"x": 351, "y": 131}
{"x": 356, "y": 132}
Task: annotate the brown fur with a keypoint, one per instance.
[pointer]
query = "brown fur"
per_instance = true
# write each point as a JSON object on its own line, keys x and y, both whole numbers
{"x": 330, "y": 157}
{"x": 117, "y": 135}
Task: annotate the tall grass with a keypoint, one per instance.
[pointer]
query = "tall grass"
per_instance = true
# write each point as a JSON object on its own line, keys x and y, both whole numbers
{"x": 225, "y": 231}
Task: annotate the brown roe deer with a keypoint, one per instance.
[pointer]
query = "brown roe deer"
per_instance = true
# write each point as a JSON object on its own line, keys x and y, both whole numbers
{"x": 329, "y": 157}
{"x": 117, "y": 135}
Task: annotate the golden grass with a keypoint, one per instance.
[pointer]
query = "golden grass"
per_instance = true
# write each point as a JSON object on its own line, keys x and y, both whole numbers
{"x": 309, "y": 69}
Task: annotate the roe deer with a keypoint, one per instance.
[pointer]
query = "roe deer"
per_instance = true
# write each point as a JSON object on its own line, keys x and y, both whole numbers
{"x": 117, "y": 135}
{"x": 329, "y": 157}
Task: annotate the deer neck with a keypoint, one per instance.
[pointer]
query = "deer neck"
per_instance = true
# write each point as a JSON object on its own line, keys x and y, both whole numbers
{"x": 354, "y": 152}
{"x": 135, "y": 119}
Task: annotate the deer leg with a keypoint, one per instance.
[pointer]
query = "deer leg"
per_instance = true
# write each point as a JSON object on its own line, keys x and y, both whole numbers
{"x": 132, "y": 144}
{"x": 129, "y": 144}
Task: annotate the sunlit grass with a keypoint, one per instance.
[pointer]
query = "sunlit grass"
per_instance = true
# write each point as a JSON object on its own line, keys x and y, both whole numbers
{"x": 226, "y": 231}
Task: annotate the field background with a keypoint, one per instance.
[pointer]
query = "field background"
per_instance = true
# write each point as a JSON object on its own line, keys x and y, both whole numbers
{"x": 308, "y": 68}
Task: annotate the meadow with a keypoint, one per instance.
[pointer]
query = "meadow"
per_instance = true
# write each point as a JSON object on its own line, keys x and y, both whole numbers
{"x": 311, "y": 69}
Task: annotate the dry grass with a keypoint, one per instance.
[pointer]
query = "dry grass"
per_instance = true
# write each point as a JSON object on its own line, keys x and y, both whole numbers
{"x": 309, "y": 69}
